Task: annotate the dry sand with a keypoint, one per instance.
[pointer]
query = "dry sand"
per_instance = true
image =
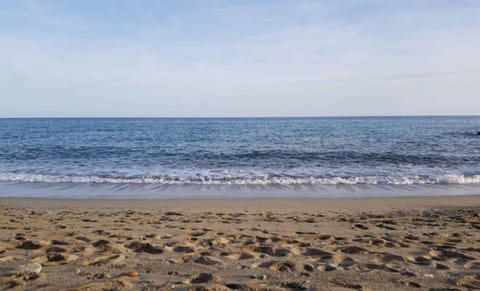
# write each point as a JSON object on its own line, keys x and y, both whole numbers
{"x": 295, "y": 244}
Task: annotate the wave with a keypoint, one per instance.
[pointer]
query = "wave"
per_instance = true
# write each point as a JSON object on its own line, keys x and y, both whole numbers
{"x": 107, "y": 153}
{"x": 243, "y": 180}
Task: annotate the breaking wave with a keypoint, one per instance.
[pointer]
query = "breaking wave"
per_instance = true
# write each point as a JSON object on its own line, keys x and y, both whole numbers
{"x": 243, "y": 180}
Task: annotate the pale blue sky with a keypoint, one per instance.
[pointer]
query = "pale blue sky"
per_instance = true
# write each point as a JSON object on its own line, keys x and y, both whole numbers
{"x": 239, "y": 58}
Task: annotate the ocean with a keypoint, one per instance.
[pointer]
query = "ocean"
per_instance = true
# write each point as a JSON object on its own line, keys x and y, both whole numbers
{"x": 178, "y": 157}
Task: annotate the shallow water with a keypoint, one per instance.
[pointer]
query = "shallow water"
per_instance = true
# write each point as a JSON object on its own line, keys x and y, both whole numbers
{"x": 263, "y": 154}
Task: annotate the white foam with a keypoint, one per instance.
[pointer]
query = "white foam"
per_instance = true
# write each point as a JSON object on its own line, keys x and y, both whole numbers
{"x": 244, "y": 180}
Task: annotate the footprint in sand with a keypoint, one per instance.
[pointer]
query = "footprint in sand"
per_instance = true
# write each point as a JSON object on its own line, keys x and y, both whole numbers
{"x": 56, "y": 254}
{"x": 139, "y": 247}
{"x": 207, "y": 260}
{"x": 269, "y": 250}
{"x": 326, "y": 267}
{"x": 343, "y": 262}
{"x": 183, "y": 249}
{"x": 380, "y": 267}
{"x": 101, "y": 243}
{"x": 389, "y": 257}
{"x": 439, "y": 266}
{"x": 353, "y": 250}
{"x": 59, "y": 242}
{"x": 242, "y": 256}
{"x": 279, "y": 266}
{"x": 29, "y": 245}
{"x": 420, "y": 260}
{"x": 444, "y": 255}
{"x": 104, "y": 260}
{"x": 318, "y": 253}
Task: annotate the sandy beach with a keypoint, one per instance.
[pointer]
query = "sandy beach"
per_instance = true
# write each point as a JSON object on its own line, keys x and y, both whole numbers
{"x": 276, "y": 244}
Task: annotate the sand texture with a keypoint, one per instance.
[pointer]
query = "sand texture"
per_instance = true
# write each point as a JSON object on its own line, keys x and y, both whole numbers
{"x": 429, "y": 244}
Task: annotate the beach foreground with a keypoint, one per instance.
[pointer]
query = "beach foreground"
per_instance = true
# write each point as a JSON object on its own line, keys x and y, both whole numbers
{"x": 259, "y": 244}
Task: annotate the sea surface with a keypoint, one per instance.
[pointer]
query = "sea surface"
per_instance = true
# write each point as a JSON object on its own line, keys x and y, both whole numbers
{"x": 167, "y": 156}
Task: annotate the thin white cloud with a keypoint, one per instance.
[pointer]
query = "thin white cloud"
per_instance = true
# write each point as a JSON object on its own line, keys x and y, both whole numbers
{"x": 295, "y": 69}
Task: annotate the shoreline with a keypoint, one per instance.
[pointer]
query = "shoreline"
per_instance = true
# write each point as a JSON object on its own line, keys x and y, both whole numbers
{"x": 254, "y": 204}
{"x": 230, "y": 192}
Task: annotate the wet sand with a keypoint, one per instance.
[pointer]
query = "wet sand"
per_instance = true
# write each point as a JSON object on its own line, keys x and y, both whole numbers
{"x": 258, "y": 244}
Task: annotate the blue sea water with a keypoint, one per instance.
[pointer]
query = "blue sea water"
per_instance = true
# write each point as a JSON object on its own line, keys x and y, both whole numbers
{"x": 240, "y": 152}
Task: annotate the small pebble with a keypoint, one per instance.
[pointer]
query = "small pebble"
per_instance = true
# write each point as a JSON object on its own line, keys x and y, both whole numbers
{"x": 131, "y": 274}
{"x": 428, "y": 275}
{"x": 203, "y": 278}
{"x": 259, "y": 276}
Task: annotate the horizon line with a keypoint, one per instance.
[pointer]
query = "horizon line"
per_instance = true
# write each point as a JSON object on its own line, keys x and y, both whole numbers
{"x": 236, "y": 117}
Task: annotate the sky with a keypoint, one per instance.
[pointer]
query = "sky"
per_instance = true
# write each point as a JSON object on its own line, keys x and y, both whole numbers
{"x": 219, "y": 58}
